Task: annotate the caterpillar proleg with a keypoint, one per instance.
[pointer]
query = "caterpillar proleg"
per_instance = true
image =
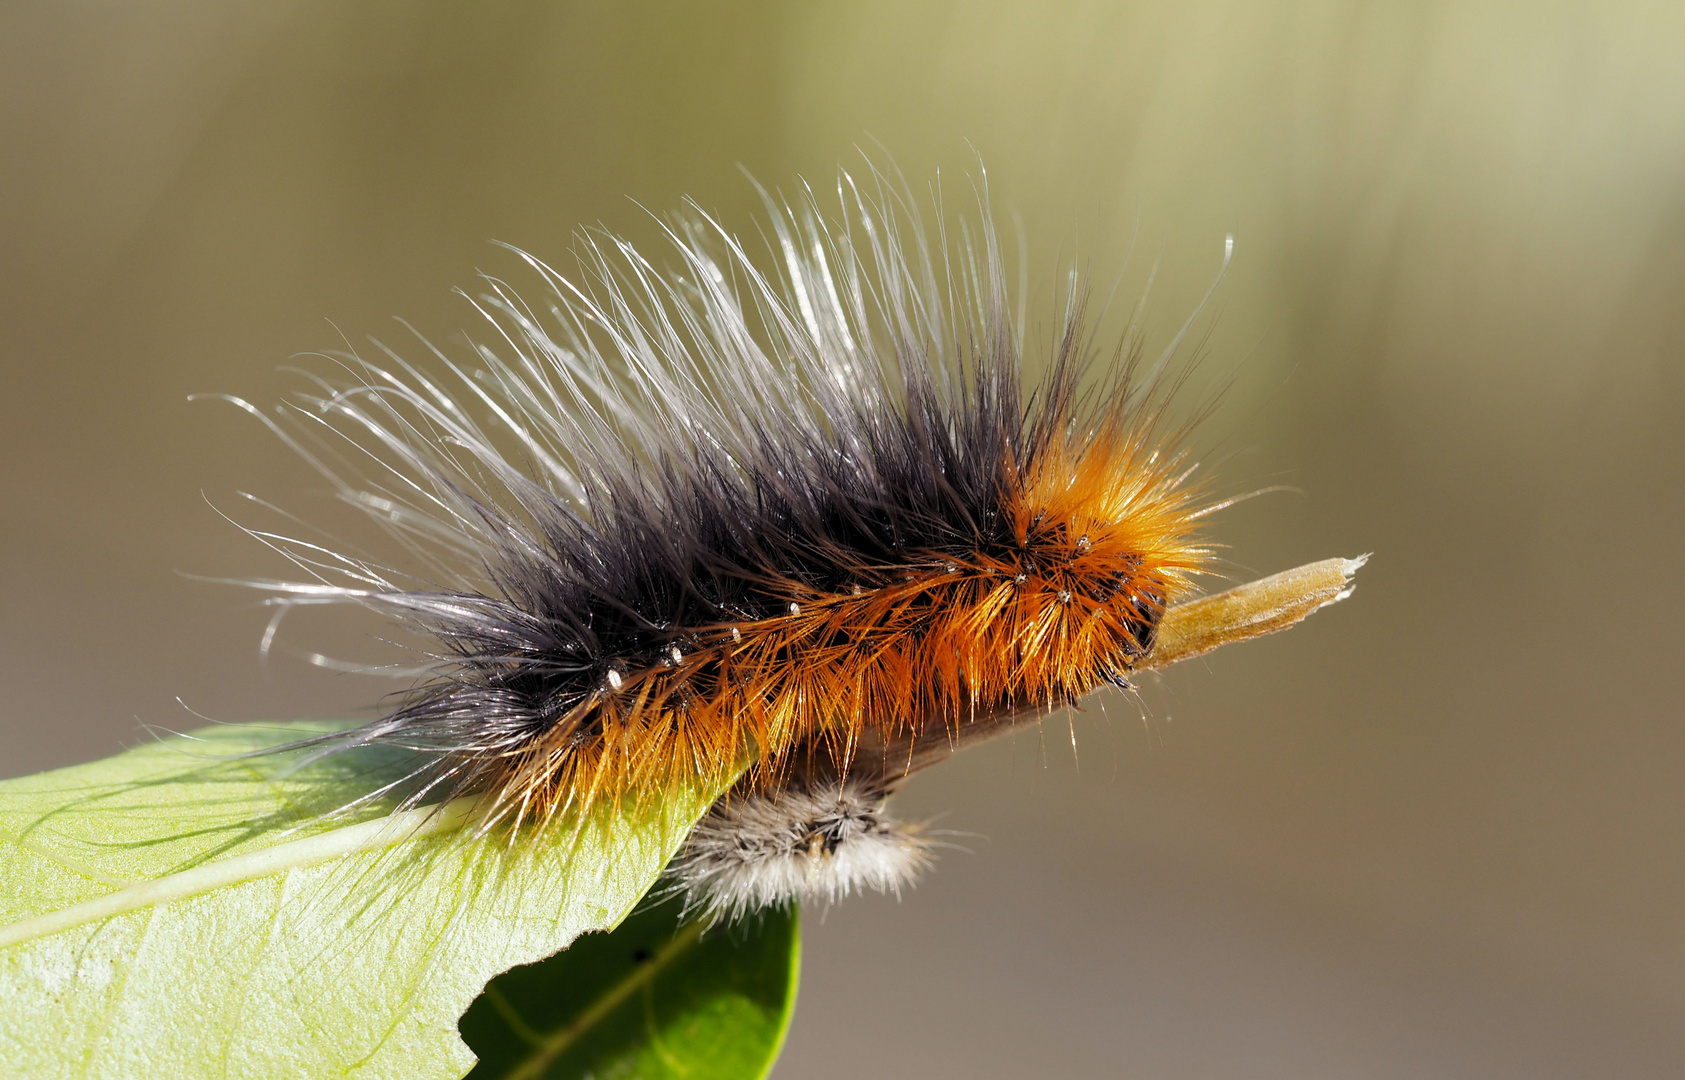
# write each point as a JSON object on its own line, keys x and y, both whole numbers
{"x": 804, "y": 514}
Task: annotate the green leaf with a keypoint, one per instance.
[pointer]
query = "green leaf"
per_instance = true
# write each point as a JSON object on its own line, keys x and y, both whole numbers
{"x": 168, "y": 912}
{"x": 657, "y": 998}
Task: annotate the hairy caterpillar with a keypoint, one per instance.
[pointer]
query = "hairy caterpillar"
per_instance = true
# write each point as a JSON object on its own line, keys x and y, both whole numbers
{"x": 807, "y": 518}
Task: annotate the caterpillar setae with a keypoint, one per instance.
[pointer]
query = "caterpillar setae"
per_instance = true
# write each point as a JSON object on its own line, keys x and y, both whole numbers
{"x": 804, "y": 514}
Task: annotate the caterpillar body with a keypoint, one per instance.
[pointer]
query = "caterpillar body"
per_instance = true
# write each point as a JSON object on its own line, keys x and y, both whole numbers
{"x": 805, "y": 517}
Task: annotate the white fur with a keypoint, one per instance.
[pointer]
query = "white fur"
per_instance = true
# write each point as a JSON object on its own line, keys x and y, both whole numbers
{"x": 823, "y": 843}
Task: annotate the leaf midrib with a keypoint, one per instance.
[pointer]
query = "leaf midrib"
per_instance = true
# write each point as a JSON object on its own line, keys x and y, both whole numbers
{"x": 555, "y": 1044}
{"x": 295, "y": 854}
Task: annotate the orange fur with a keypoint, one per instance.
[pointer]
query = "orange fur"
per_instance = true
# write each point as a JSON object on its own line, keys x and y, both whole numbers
{"x": 936, "y": 639}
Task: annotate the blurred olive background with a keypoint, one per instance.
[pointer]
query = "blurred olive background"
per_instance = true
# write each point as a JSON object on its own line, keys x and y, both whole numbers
{"x": 1435, "y": 831}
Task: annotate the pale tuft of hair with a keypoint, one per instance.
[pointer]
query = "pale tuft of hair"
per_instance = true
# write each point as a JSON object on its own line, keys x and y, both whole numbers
{"x": 813, "y": 844}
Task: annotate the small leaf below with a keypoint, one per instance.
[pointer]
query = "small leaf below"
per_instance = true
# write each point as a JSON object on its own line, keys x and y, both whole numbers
{"x": 656, "y": 998}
